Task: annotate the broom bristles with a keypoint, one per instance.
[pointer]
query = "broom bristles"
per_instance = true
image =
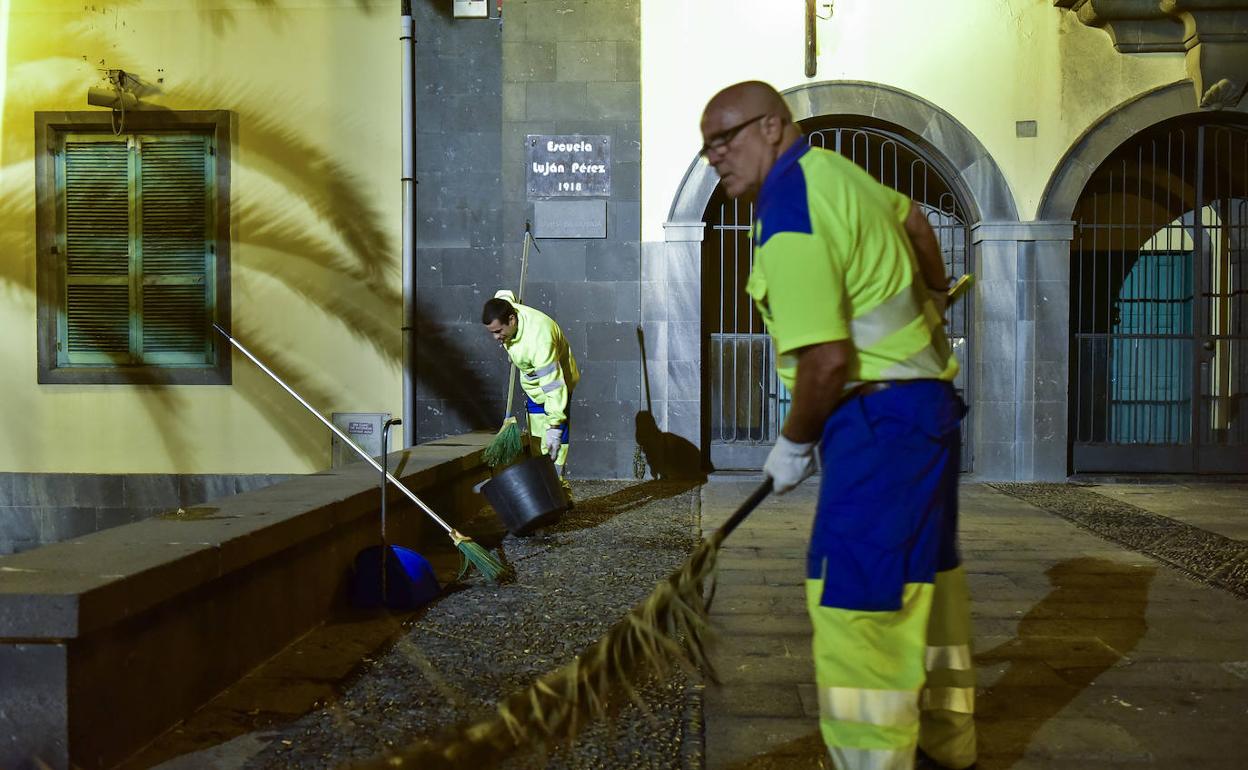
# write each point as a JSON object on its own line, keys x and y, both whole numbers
{"x": 475, "y": 556}
{"x": 505, "y": 446}
{"x": 668, "y": 629}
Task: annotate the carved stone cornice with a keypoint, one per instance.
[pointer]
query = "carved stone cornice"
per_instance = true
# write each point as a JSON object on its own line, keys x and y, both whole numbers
{"x": 1212, "y": 33}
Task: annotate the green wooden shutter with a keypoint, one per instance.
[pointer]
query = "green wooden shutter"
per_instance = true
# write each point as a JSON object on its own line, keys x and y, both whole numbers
{"x": 175, "y": 254}
{"x": 137, "y": 232}
{"x": 94, "y": 178}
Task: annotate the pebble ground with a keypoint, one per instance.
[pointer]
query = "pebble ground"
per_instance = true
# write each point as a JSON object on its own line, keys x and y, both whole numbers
{"x": 484, "y": 641}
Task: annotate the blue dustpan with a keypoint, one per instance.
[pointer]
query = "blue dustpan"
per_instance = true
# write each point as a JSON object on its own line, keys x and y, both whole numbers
{"x": 390, "y": 575}
{"x": 407, "y": 583}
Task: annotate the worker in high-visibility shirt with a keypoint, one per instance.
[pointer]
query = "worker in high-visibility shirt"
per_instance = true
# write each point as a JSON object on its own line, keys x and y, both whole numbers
{"x": 548, "y": 372}
{"x": 849, "y": 280}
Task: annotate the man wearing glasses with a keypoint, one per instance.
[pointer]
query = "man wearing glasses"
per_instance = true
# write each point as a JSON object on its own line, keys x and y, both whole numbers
{"x": 849, "y": 280}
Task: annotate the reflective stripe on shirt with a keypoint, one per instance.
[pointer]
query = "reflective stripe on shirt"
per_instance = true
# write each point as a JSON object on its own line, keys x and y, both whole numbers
{"x": 541, "y": 372}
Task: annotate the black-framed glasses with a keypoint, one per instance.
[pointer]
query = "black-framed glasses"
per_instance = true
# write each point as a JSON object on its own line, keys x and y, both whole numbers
{"x": 721, "y": 139}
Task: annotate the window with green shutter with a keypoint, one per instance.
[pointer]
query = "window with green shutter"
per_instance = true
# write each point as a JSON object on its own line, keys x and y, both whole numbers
{"x": 133, "y": 274}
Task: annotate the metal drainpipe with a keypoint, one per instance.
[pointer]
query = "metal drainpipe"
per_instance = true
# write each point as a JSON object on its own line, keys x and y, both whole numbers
{"x": 408, "y": 254}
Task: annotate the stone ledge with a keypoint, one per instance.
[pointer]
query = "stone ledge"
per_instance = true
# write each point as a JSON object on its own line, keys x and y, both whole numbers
{"x": 64, "y": 590}
{"x": 1060, "y": 230}
{"x": 104, "y": 624}
{"x": 684, "y": 231}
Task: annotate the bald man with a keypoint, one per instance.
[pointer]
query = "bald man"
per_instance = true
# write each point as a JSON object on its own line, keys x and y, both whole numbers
{"x": 849, "y": 280}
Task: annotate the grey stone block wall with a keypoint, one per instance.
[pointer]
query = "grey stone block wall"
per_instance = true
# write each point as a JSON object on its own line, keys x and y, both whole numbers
{"x": 671, "y": 313}
{"x": 41, "y": 508}
{"x": 460, "y": 374}
{"x": 1021, "y": 338}
{"x": 572, "y": 67}
{"x": 548, "y": 67}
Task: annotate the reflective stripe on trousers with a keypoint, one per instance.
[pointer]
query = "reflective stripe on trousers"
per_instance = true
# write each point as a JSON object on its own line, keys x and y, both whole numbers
{"x": 947, "y": 721}
{"x": 871, "y": 759}
{"x": 888, "y": 681}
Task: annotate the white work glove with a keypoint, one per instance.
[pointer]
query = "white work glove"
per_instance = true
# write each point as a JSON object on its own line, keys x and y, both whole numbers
{"x": 789, "y": 464}
{"x": 550, "y": 444}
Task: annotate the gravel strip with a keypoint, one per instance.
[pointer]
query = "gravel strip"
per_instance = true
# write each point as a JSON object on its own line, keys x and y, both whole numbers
{"x": 1206, "y": 556}
{"x": 482, "y": 642}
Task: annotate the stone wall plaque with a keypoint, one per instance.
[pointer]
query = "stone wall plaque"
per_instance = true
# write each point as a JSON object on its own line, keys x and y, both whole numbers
{"x": 570, "y": 219}
{"x": 567, "y": 166}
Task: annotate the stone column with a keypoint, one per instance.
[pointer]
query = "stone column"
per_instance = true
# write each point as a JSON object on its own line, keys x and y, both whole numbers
{"x": 672, "y": 318}
{"x": 1022, "y": 349}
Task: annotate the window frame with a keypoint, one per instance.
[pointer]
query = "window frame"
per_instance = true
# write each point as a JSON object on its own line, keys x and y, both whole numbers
{"x": 50, "y": 276}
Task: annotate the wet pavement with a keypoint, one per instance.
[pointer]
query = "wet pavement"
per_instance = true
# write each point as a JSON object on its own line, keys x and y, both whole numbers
{"x": 1108, "y": 635}
{"x": 1090, "y": 654}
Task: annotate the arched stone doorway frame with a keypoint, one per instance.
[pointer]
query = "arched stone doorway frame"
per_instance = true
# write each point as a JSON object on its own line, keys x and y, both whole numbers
{"x": 1108, "y": 133}
{"x": 966, "y": 164}
{"x": 1066, "y": 184}
{"x": 950, "y": 143}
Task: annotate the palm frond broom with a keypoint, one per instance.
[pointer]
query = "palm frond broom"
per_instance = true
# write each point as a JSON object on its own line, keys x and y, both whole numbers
{"x": 507, "y": 444}
{"x": 474, "y": 555}
{"x": 669, "y": 629}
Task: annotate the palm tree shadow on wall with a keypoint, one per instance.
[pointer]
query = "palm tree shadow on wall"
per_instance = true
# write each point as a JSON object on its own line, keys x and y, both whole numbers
{"x": 350, "y": 274}
{"x": 223, "y": 20}
{"x": 669, "y": 457}
{"x": 1048, "y": 664}
{"x": 340, "y": 259}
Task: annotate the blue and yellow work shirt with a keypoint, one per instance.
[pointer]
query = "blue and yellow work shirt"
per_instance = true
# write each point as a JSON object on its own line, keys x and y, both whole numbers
{"x": 539, "y": 350}
{"x": 832, "y": 261}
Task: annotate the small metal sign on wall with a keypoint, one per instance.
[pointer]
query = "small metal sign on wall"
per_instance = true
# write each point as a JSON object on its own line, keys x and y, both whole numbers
{"x": 568, "y": 166}
{"x": 471, "y": 9}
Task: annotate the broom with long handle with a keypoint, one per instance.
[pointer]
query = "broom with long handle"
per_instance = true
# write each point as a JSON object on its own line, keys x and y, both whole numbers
{"x": 506, "y": 445}
{"x": 668, "y": 629}
{"x": 483, "y": 560}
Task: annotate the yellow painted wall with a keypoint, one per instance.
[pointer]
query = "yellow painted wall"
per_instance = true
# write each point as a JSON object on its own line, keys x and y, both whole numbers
{"x": 314, "y": 88}
{"x": 988, "y": 63}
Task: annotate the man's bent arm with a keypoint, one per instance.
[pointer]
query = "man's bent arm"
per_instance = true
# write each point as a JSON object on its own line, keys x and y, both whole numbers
{"x": 821, "y": 373}
{"x": 926, "y": 248}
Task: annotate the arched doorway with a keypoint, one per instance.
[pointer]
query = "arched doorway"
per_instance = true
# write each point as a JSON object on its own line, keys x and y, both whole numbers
{"x": 744, "y": 401}
{"x": 1159, "y": 302}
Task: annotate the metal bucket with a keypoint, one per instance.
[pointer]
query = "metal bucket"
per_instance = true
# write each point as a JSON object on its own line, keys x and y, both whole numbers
{"x": 527, "y": 495}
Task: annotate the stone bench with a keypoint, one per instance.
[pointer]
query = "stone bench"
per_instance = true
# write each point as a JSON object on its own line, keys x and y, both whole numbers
{"x": 109, "y": 639}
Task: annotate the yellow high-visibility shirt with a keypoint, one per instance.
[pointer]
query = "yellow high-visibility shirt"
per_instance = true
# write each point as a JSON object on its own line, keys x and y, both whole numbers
{"x": 548, "y": 372}
{"x": 832, "y": 261}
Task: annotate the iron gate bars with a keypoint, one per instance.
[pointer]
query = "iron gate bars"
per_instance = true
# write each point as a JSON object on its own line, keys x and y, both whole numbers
{"x": 1158, "y": 368}
{"x": 746, "y": 402}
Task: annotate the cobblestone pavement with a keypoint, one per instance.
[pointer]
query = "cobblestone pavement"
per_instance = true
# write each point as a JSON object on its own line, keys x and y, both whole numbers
{"x": 475, "y": 645}
{"x": 1090, "y": 654}
{"x": 1106, "y": 637}
{"x": 1202, "y": 554}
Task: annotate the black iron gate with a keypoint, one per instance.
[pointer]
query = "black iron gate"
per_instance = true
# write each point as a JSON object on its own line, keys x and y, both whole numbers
{"x": 1159, "y": 358}
{"x": 746, "y": 403}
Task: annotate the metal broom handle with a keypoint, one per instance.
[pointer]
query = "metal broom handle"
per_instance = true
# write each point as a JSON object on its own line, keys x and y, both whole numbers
{"x": 524, "y": 273}
{"x": 337, "y": 432}
{"x": 747, "y": 507}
